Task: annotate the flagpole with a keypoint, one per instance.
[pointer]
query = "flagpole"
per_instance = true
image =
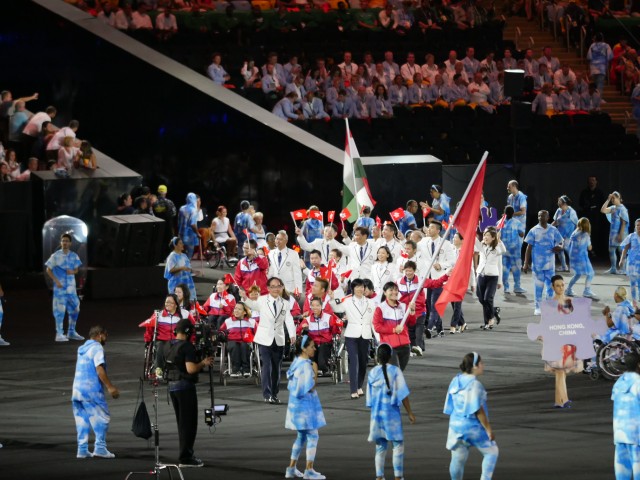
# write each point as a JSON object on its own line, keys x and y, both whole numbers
{"x": 443, "y": 237}
{"x": 294, "y": 220}
{"x": 353, "y": 170}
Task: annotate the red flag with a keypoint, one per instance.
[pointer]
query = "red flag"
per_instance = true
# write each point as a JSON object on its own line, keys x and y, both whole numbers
{"x": 500, "y": 224}
{"x": 397, "y": 214}
{"x": 467, "y": 223}
{"x": 346, "y": 274}
{"x": 425, "y": 212}
{"x": 331, "y": 215}
{"x": 315, "y": 214}
{"x": 445, "y": 225}
{"x": 403, "y": 254}
{"x": 265, "y": 250}
{"x": 228, "y": 279}
{"x": 246, "y": 232}
{"x": 200, "y": 310}
{"x": 344, "y": 214}
{"x": 247, "y": 336}
{"x": 149, "y": 322}
{"x": 296, "y": 248}
{"x": 325, "y": 272}
{"x": 299, "y": 214}
{"x": 296, "y": 292}
{"x": 378, "y": 222}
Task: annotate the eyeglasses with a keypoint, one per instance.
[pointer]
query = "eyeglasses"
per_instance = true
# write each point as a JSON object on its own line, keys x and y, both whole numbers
{"x": 276, "y": 286}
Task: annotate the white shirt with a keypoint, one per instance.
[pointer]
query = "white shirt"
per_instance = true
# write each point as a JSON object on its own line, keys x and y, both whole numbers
{"x": 490, "y": 261}
{"x": 445, "y": 256}
{"x": 166, "y": 22}
{"x": 359, "y": 313}
{"x": 381, "y": 273}
{"x": 56, "y": 141}
{"x": 285, "y": 264}
{"x": 272, "y": 320}
{"x": 140, "y": 21}
{"x": 360, "y": 258}
{"x": 34, "y": 125}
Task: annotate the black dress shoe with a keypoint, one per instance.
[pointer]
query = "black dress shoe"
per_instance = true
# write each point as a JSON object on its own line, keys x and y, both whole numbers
{"x": 496, "y": 314}
{"x": 274, "y": 400}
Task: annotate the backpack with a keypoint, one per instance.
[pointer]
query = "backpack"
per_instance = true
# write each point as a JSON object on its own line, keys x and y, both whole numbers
{"x": 170, "y": 371}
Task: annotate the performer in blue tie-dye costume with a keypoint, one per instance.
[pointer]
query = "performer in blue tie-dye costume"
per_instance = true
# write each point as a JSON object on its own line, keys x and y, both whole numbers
{"x": 469, "y": 426}
{"x": 511, "y": 235}
{"x": 518, "y": 201}
{"x": 579, "y": 248}
{"x": 62, "y": 267}
{"x": 626, "y": 420}
{"x": 543, "y": 242}
{"x": 386, "y": 391}
{"x": 618, "y": 320}
{"x": 618, "y": 215}
{"x": 565, "y": 220}
{"x": 631, "y": 253}
{"x": 89, "y": 405}
{"x": 188, "y": 224}
{"x": 177, "y": 268}
{"x": 304, "y": 412}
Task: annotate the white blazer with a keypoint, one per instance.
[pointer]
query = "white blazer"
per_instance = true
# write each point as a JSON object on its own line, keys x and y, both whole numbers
{"x": 320, "y": 244}
{"x": 445, "y": 256}
{"x": 361, "y": 267}
{"x": 271, "y": 326}
{"x": 359, "y": 315}
{"x": 288, "y": 270}
{"x": 490, "y": 261}
{"x": 381, "y": 273}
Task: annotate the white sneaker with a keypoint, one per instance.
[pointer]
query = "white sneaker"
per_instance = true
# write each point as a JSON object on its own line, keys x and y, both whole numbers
{"x": 74, "y": 336}
{"x": 61, "y": 338}
{"x": 292, "y": 472}
{"x": 537, "y": 312}
{"x": 417, "y": 350}
{"x": 104, "y": 454}
{"x": 311, "y": 474}
{"x": 4, "y": 343}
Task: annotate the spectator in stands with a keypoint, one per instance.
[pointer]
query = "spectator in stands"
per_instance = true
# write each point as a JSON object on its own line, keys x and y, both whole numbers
{"x": 347, "y": 67}
{"x": 458, "y": 95}
{"x": 343, "y": 107}
{"x": 313, "y": 108}
{"x": 86, "y": 156}
{"x": 56, "y": 141}
{"x": 479, "y": 93}
{"x": 635, "y": 102}
{"x": 390, "y": 67}
{"x": 398, "y": 92}
{"x": 543, "y": 76}
{"x": 382, "y": 107}
{"x": 427, "y": 17}
{"x": 508, "y": 61}
{"x": 470, "y": 63}
{"x": 285, "y": 109}
{"x": 489, "y": 63}
{"x": 496, "y": 92}
{"x": 429, "y": 70}
{"x": 10, "y": 158}
{"x": 409, "y": 69}
{"x": 553, "y": 64}
{"x": 460, "y": 70}
{"x": 140, "y": 19}
{"x": 459, "y": 12}
{"x": 7, "y": 108}
{"x": 216, "y": 71}
{"x": 418, "y": 92}
{"x": 32, "y": 166}
{"x": 530, "y": 64}
{"x": 546, "y": 102}
{"x": 581, "y": 82}
{"x": 366, "y": 18}
{"x": 67, "y": 156}
{"x": 125, "y": 204}
{"x": 569, "y": 99}
{"x": 120, "y": 18}
{"x": 272, "y": 85}
{"x": 563, "y": 75}
{"x": 388, "y": 18}
{"x": 450, "y": 62}
{"x": 382, "y": 76}
{"x": 297, "y": 87}
{"x": 440, "y": 92}
{"x": 362, "y": 103}
{"x": 5, "y": 176}
{"x": 166, "y": 25}
{"x": 250, "y": 73}
{"x": 405, "y": 18}
{"x": 33, "y": 128}
{"x": 17, "y": 122}
{"x": 141, "y": 206}
{"x": 599, "y": 56}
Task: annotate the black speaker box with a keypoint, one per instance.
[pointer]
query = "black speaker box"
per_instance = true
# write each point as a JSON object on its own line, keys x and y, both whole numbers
{"x": 513, "y": 83}
{"x": 130, "y": 241}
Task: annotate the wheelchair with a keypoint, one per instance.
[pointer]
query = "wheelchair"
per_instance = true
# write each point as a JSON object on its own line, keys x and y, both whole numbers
{"x": 337, "y": 362}
{"x": 610, "y": 356}
{"x": 225, "y": 364}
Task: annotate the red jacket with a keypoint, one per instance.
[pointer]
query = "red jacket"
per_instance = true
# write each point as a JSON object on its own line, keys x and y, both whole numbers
{"x": 220, "y": 305}
{"x": 386, "y": 318}
{"x": 238, "y": 327}
{"x": 166, "y": 325}
{"x": 311, "y": 278}
{"x": 407, "y": 293}
{"x": 252, "y": 272}
{"x": 326, "y": 306}
{"x": 321, "y": 330}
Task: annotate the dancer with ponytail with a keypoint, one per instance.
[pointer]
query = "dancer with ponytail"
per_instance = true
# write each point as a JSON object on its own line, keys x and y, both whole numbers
{"x": 469, "y": 425}
{"x": 304, "y": 412}
{"x": 386, "y": 390}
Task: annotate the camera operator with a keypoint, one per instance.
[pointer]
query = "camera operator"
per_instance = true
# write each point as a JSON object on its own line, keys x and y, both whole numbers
{"x": 181, "y": 354}
{"x": 275, "y": 313}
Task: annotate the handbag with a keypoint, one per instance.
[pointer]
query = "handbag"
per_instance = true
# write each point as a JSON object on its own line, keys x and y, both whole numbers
{"x": 141, "y": 426}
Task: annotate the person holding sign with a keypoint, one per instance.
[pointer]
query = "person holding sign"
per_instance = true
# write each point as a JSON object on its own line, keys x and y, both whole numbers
{"x": 469, "y": 426}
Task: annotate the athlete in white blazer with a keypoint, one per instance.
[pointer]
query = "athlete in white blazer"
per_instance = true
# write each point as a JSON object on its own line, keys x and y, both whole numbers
{"x": 360, "y": 253}
{"x": 284, "y": 263}
{"x": 324, "y": 245}
{"x": 358, "y": 333}
{"x": 489, "y": 272}
{"x": 274, "y": 315}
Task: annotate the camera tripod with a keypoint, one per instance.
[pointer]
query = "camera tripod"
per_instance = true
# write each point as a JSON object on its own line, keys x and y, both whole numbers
{"x": 158, "y": 467}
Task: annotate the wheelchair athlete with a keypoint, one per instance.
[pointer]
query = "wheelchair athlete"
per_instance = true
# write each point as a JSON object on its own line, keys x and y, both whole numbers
{"x": 321, "y": 327}
{"x": 241, "y": 328}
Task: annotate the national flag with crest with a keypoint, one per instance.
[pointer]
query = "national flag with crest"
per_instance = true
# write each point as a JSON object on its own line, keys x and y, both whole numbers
{"x": 397, "y": 214}
{"x": 355, "y": 191}
{"x": 331, "y": 214}
{"x": 299, "y": 214}
{"x": 501, "y": 222}
{"x": 425, "y": 212}
{"x": 345, "y": 214}
{"x": 316, "y": 214}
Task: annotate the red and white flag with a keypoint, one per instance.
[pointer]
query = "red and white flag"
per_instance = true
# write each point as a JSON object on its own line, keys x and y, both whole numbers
{"x": 331, "y": 214}
{"x": 500, "y": 224}
{"x": 345, "y": 214}
{"x": 299, "y": 214}
{"x": 346, "y": 274}
{"x": 397, "y": 214}
{"x": 466, "y": 219}
{"x": 425, "y": 212}
{"x": 378, "y": 222}
{"x": 316, "y": 214}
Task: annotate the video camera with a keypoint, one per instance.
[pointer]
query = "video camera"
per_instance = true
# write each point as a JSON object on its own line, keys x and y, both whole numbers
{"x": 207, "y": 338}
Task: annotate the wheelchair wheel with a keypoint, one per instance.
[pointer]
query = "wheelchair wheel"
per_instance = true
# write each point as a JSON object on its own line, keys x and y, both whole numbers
{"x": 149, "y": 353}
{"x": 216, "y": 257}
{"x": 611, "y": 357}
{"x": 231, "y": 262}
{"x": 257, "y": 370}
{"x": 223, "y": 365}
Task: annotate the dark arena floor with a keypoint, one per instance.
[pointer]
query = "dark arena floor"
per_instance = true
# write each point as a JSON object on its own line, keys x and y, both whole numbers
{"x": 536, "y": 441}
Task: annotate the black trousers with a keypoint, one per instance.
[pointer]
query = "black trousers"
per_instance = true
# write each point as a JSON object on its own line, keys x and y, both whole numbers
{"x": 400, "y": 356}
{"x": 271, "y": 363}
{"x": 185, "y": 404}
{"x": 323, "y": 352}
{"x": 358, "y": 350}
{"x": 486, "y": 291}
{"x": 239, "y": 352}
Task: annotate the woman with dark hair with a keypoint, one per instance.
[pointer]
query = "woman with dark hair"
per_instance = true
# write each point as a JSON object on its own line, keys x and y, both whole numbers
{"x": 489, "y": 272}
{"x": 469, "y": 426}
{"x": 86, "y": 156}
{"x": 222, "y": 232}
{"x": 125, "y": 204}
{"x": 304, "y": 412}
{"x": 383, "y": 269}
{"x": 241, "y": 329}
{"x": 565, "y": 220}
{"x": 387, "y": 321}
{"x": 382, "y": 105}
{"x": 178, "y": 268}
{"x": 358, "y": 310}
{"x": 386, "y": 390}
{"x": 184, "y": 298}
{"x": 220, "y": 303}
{"x": 626, "y": 418}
